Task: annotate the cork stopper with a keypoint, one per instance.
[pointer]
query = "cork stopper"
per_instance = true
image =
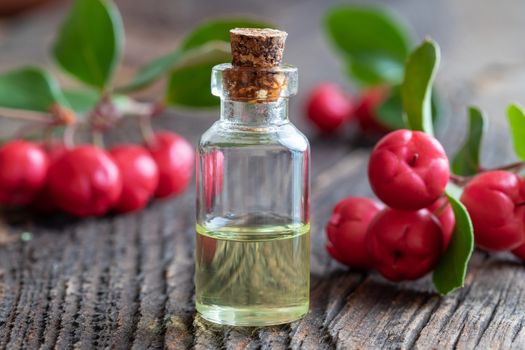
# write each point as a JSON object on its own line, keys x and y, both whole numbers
{"x": 254, "y": 47}
{"x": 255, "y": 75}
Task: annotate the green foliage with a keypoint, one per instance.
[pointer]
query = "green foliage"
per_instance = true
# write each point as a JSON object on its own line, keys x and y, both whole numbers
{"x": 390, "y": 112}
{"x": 516, "y": 119}
{"x": 189, "y": 84}
{"x": 451, "y": 270}
{"x": 205, "y": 40}
{"x": 416, "y": 89}
{"x": 90, "y": 41}
{"x": 374, "y": 43}
{"x": 466, "y": 160}
{"x": 82, "y": 101}
{"x": 173, "y": 61}
{"x": 30, "y": 89}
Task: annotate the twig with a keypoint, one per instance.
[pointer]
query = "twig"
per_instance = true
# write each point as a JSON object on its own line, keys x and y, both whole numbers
{"x": 26, "y": 116}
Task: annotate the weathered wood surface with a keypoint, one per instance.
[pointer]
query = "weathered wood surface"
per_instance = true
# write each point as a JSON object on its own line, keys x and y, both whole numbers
{"x": 127, "y": 281}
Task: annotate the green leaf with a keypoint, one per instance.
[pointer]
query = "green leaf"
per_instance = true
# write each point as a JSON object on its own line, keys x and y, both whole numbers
{"x": 466, "y": 160}
{"x": 83, "y": 101}
{"x": 90, "y": 41}
{"x": 189, "y": 83}
{"x": 416, "y": 90}
{"x": 374, "y": 42}
{"x": 373, "y": 71}
{"x": 31, "y": 89}
{"x": 390, "y": 112}
{"x": 516, "y": 118}
{"x": 451, "y": 270}
{"x": 156, "y": 69}
{"x": 201, "y": 41}
{"x": 218, "y": 30}
{"x": 438, "y": 107}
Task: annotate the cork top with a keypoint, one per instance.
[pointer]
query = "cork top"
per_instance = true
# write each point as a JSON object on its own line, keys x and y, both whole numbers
{"x": 255, "y": 47}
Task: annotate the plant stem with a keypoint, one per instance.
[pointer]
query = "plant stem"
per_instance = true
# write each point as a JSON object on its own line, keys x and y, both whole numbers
{"x": 463, "y": 180}
{"x": 25, "y": 115}
{"x": 98, "y": 138}
{"x": 460, "y": 180}
{"x": 69, "y": 136}
{"x": 514, "y": 167}
{"x": 147, "y": 130}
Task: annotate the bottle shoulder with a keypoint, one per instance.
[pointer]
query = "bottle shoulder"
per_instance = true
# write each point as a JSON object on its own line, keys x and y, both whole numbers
{"x": 225, "y": 135}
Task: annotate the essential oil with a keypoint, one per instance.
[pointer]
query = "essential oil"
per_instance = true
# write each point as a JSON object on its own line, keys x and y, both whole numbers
{"x": 253, "y": 230}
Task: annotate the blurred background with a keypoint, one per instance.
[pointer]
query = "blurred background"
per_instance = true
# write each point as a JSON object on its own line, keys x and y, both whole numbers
{"x": 483, "y": 56}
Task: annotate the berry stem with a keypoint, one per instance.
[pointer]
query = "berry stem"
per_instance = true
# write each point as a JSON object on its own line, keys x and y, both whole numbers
{"x": 460, "y": 180}
{"x": 463, "y": 180}
{"x": 147, "y": 130}
{"x": 26, "y": 116}
{"x": 69, "y": 136}
{"x": 98, "y": 138}
{"x": 414, "y": 159}
{"x": 513, "y": 167}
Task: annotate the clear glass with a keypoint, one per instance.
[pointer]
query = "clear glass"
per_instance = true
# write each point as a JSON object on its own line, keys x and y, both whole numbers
{"x": 253, "y": 230}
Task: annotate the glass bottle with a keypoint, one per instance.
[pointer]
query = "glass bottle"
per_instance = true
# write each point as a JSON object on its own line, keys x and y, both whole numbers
{"x": 253, "y": 242}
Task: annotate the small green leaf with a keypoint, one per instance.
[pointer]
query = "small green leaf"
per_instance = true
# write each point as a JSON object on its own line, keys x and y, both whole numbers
{"x": 451, "y": 270}
{"x": 156, "y": 69}
{"x": 416, "y": 90}
{"x": 31, "y": 89}
{"x": 466, "y": 160}
{"x": 374, "y": 42}
{"x": 218, "y": 30}
{"x": 189, "y": 82}
{"x": 201, "y": 41}
{"x": 89, "y": 44}
{"x": 82, "y": 101}
{"x": 438, "y": 107}
{"x": 516, "y": 118}
{"x": 373, "y": 71}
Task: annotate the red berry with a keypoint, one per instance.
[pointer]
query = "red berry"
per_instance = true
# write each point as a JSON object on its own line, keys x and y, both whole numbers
{"x": 85, "y": 181}
{"x": 443, "y": 211}
{"x": 404, "y": 245}
{"x": 174, "y": 157}
{"x": 408, "y": 170}
{"x": 329, "y": 107}
{"x": 520, "y": 252}
{"x": 213, "y": 173}
{"x": 23, "y": 171}
{"x": 495, "y": 202}
{"x": 346, "y": 231}
{"x": 140, "y": 176}
{"x": 43, "y": 202}
{"x": 365, "y": 111}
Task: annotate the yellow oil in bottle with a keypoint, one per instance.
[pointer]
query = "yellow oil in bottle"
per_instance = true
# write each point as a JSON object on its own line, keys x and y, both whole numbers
{"x": 253, "y": 275}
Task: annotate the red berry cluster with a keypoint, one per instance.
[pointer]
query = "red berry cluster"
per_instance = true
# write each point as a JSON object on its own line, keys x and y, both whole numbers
{"x": 89, "y": 181}
{"x": 408, "y": 171}
{"x": 329, "y": 107}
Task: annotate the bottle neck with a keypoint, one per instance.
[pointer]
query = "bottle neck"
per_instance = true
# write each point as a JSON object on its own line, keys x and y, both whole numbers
{"x": 255, "y": 114}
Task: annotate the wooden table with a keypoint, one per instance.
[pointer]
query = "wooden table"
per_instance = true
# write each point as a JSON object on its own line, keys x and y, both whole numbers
{"x": 127, "y": 281}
